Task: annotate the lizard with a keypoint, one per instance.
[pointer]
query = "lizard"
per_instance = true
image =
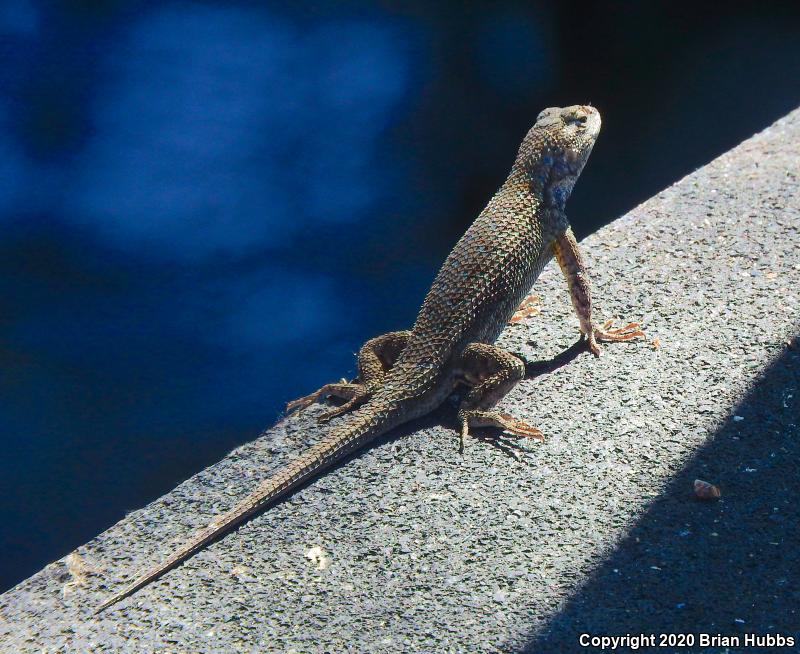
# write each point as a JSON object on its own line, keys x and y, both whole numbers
{"x": 480, "y": 288}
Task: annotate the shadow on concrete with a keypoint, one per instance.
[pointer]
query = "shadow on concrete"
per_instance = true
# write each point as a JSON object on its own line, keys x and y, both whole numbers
{"x": 544, "y": 366}
{"x": 728, "y": 567}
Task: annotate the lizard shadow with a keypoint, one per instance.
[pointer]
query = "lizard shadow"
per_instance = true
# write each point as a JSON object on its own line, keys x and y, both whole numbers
{"x": 534, "y": 369}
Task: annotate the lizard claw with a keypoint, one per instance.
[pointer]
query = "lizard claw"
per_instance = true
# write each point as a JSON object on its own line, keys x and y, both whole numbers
{"x": 528, "y": 308}
{"x": 301, "y": 403}
{"x": 520, "y": 428}
{"x": 509, "y": 424}
{"x": 343, "y": 389}
{"x": 351, "y": 404}
{"x": 517, "y": 428}
{"x": 604, "y": 334}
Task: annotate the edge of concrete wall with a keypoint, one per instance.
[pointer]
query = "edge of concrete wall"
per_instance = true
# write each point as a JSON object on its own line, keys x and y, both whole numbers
{"x": 410, "y": 546}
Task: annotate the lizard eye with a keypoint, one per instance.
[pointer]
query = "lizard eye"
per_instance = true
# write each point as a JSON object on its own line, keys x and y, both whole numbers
{"x": 574, "y": 116}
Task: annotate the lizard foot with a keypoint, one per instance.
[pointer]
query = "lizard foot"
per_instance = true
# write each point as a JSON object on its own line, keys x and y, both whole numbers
{"x": 343, "y": 390}
{"x": 528, "y": 308}
{"x": 361, "y": 396}
{"x": 509, "y": 424}
{"x": 604, "y": 334}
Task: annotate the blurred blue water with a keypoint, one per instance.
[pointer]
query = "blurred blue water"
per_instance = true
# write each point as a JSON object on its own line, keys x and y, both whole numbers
{"x": 206, "y": 207}
{"x": 157, "y": 289}
{"x": 238, "y": 143}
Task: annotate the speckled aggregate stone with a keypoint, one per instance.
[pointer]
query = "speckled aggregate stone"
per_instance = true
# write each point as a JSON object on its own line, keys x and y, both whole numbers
{"x": 412, "y": 547}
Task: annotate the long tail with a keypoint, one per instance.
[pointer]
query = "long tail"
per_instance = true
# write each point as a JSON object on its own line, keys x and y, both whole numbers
{"x": 364, "y": 425}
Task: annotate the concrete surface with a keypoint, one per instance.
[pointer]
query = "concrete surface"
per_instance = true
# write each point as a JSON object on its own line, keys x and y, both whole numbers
{"x": 596, "y": 530}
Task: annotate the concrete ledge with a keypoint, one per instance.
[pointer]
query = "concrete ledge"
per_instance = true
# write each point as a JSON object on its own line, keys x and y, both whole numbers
{"x": 596, "y": 530}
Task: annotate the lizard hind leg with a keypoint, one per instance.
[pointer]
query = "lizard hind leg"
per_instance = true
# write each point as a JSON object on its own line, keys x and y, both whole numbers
{"x": 493, "y": 373}
{"x": 343, "y": 390}
{"x": 375, "y": 358}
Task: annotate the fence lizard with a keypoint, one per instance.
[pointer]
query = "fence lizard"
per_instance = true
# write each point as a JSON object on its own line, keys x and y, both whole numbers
{"x": 406, "y": 374}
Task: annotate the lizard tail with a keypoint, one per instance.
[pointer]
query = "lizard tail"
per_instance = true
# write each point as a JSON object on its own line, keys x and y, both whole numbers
{"x": 364, "y": 425}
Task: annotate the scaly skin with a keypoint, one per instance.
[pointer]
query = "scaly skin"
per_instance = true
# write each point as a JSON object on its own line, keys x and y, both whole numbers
{"x": 404, "y": 375}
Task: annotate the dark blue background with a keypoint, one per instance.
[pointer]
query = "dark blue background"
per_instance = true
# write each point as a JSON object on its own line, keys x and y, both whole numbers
{"x": 206, "y": 207}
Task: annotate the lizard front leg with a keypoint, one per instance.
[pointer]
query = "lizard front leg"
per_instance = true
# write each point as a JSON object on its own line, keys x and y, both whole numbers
{"x": 375, "y": 359}
{"x": 571, "y": 262}
{"x": 492, "y": 372}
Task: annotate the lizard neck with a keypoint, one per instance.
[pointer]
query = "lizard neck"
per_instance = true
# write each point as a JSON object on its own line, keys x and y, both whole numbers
{"x": 550, "y": 178}
{"x": 539, "y": 191}
{"x": 548, "y": 197}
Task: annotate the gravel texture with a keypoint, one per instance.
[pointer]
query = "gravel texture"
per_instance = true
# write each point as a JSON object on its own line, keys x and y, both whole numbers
{"x": 412, "y": 547}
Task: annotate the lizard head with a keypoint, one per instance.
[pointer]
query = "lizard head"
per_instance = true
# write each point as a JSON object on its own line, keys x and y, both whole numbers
{"x": 555, "y": 150}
